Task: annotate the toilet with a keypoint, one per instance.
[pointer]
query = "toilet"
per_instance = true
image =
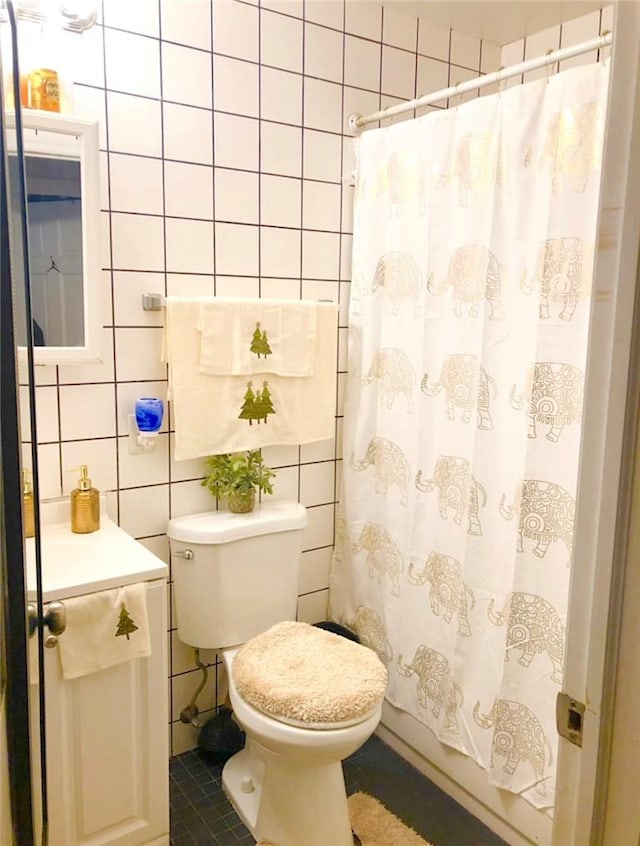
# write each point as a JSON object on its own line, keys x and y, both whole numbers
{"x": 305, "y": 698}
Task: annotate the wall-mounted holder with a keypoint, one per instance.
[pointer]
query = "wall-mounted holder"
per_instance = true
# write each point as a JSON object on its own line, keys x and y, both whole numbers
{"x": 152, "y": 302}
{"x": 145, "y": 424}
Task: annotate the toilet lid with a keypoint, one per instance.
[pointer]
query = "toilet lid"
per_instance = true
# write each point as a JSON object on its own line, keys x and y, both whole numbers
{"x": 306, "y": 676}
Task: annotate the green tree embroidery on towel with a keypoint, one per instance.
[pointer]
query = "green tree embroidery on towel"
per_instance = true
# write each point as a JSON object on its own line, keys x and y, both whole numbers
{"x": 126, "y": 626}
{"x": 247, "y": 412}
{"x": 265, "y": 403}
{"x": 256, "y": 341}
{"x": 256, "y": 406}
{"x": 266, "y": 349}
{"x": 259, "y": 342}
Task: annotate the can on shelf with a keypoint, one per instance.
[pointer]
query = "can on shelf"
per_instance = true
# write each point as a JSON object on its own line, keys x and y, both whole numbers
{"x": 44, "y": 90}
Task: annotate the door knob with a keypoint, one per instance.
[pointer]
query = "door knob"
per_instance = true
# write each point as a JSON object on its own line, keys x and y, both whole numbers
{"x": 55, "y": 617}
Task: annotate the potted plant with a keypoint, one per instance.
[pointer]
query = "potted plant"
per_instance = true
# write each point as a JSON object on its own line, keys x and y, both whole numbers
{"x": 236, "y": 475}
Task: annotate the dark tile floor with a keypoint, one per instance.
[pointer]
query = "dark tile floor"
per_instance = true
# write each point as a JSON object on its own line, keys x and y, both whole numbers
{"x": 201, "y": 814}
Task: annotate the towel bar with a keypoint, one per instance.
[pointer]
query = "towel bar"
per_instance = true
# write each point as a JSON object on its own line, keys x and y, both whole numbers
{"x": 155, "y": 302}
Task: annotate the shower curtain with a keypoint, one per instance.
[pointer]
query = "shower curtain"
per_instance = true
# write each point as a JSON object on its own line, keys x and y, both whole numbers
{"x": 468, "y": 328}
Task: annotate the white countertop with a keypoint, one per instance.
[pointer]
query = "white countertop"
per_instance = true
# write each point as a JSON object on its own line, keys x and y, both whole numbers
{"x": 74, "y": 564}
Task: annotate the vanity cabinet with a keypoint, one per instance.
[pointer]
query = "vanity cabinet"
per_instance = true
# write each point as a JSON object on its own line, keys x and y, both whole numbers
{"x": 107, "y": 746}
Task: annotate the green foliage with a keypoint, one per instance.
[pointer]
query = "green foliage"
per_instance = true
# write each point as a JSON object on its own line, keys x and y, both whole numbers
{"x": 237, "y": 471}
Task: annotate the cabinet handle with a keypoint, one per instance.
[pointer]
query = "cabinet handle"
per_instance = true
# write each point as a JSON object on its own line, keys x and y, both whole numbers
{"x": 55, "y": 617}
{"x": 32, "y": 618}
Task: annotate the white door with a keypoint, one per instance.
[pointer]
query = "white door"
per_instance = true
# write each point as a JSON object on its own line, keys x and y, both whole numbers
{"x": 55, "y": 261}
{"x": 608, "y": 380}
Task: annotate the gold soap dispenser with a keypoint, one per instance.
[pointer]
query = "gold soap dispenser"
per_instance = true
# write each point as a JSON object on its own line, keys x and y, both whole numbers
{"x": 28, "y": 516}
{"x": 85, "y": 505}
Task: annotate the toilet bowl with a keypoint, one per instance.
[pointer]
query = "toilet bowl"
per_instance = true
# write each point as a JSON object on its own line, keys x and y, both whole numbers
{"x": 235, "y": 582}
{"x": 287, "y": 784}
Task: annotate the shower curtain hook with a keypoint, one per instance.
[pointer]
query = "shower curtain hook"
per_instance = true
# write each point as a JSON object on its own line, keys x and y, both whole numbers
{"x": 456, "y": 95}
{"x": 547, "y": 65}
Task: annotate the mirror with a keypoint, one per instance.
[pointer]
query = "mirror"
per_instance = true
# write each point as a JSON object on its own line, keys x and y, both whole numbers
{"x": 61, "y": 168}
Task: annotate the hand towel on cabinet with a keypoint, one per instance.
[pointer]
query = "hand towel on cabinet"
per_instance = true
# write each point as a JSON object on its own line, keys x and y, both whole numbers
{"x": 240, "y": 337}
{"x": 217, "y": 414}
{"x": 104, "y": 629}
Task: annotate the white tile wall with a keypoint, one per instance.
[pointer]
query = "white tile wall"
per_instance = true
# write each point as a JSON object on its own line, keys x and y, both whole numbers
{"x": 323, "y": 49}
{"x": 189, "y": 245}
{"x": 362, "y": 63}
{"x": 188, "y": 190}
{"x": 134, "y": 123}
{"x": 235, "y": 30}
{"x": 142, "y": 17}
{"x": 326, "y": 12}
{"x": 322, "y": 155}
{"x": 188, "y": 23}
{"x": 281, "y": 41}
{"x": 399, "y": 32}
{"x": 280, "y": 149}
{"x": 186, "y": 75}
{"x": 136, "y": 184}
{"x": 137, "y": 242}
{"x": 222, "y": 175}
{"x": 280, "y": 201}
{"x": 236, "y": 196}
{"x": 364, "y": 19}
{"x": 281, "y": 96}
{"x": 565, "y": 35}
{"x": 187, "y": 134}
{"x": 140, "y": 74}
{"x": 398, "y": 72}
{"x": 235, "y": 86}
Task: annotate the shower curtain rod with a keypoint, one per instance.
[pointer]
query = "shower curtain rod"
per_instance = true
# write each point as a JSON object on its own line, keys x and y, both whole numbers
{"x": 357, "y": 122}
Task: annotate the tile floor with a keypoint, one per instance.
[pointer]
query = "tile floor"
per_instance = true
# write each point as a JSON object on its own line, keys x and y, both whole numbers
{"x": 201, "y": 814}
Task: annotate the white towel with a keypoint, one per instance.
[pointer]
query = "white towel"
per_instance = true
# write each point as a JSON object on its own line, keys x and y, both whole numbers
{"x": 104, "y": 629}
{"x": 240, "y": 337}
{"x": 207, "y": 409}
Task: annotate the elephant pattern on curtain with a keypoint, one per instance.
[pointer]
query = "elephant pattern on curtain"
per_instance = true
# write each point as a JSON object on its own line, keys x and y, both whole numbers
{"x": 469, "y": 313}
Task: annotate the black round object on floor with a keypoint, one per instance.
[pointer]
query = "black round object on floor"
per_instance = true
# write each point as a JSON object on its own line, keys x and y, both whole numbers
{"x": 336, "y": 628}
{"x": 221, "y": 737}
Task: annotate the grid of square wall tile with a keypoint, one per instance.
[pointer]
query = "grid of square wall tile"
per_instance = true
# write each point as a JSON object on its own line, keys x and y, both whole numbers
{"x": 567, "y": 34}
{"x": 223, "y": 147}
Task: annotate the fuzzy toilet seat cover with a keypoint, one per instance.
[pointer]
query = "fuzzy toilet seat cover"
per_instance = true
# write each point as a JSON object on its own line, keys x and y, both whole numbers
{"x": 296, "y": 672}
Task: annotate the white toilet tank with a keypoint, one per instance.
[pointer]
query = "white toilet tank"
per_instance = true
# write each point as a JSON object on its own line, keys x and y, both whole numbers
{"x": 235, "y": 575}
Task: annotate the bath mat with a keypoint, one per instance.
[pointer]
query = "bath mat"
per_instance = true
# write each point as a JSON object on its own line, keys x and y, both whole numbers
{"x": 374, "y": 825}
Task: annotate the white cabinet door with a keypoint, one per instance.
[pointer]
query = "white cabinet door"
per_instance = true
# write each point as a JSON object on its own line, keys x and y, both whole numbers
{"x": 5, "y": 807}
{"x": 107, "y": 746}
